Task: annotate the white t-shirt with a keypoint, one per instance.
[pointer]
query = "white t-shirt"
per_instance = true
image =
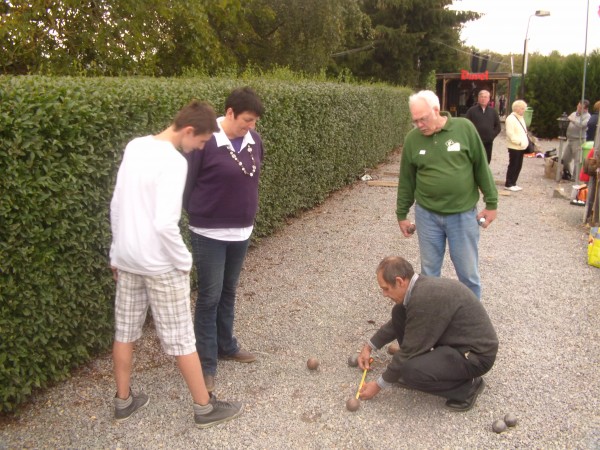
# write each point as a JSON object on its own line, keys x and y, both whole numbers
{"x": 146, "y": 208}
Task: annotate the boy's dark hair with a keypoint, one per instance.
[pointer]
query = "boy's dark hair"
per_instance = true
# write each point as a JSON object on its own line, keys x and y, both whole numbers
{"x": 242, "y": 100}
{"x": 199, "y": 115}
{"x": 395, "y": 266}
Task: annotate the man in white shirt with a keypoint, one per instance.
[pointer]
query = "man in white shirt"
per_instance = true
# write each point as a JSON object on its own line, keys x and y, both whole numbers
{"x": 151, "y": 262}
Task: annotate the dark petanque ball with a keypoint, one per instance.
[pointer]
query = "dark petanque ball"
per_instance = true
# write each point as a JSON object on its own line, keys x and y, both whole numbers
{"x": 353, "y": 360}
{"x": 499, "y": 426}
{"x": 510, "y": 419}
{"x": 352, "y": 404}
{"x": 312, "y": 363}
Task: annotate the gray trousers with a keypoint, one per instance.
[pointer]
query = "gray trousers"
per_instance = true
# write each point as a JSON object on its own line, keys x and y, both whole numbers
{"x": 572, "y": 152}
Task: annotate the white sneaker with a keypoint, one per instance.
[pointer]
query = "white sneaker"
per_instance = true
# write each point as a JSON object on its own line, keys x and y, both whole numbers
{"x": 513, "y": 188}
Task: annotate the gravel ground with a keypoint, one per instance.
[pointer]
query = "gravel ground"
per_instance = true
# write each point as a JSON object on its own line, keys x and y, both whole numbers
{"x": 310, "y": 291}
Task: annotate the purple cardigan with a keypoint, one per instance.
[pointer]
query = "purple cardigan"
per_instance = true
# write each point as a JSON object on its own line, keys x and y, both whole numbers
{"x": 217, "y": 193}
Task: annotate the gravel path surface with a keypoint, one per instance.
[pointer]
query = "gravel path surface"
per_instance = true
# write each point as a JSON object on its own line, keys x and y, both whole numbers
{"x": 310, "y": 291}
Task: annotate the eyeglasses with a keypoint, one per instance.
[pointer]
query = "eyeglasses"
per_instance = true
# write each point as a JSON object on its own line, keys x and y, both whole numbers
{"x": 421, "y": 120}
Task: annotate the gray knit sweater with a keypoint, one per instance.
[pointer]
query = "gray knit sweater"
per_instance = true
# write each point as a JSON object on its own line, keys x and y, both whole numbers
{"x": 439, "y": 312}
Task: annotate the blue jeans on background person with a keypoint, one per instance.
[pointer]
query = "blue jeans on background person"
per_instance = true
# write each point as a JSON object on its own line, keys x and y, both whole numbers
{"x": 462, "y": 233}
{"x": 218, "y": 265}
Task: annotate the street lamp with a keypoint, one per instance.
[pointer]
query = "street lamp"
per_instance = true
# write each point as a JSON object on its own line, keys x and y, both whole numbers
{"x": 563, "y": 124}
{"x": 539, "y": 13}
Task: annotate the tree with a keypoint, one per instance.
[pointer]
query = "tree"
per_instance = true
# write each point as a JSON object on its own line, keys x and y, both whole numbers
{"x": 302, "y": 35}
{"x": 411, "y": 38}
{"x": 406, "y": 39}
{"x": 73, "y": 37}
{"x": 118, "y": 37}
{"x": 554, "y": 85}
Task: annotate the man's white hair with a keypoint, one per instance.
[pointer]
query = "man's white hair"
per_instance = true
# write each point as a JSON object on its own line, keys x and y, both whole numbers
{"x": 428, "y": 96}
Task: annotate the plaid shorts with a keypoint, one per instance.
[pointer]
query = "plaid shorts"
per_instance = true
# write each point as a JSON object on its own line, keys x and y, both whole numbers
{"x": 168, "y": 296}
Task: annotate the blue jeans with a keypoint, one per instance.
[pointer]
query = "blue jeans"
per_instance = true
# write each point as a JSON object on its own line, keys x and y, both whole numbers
{"x": 462, "y": 232}
{"x": 218, "y": 265}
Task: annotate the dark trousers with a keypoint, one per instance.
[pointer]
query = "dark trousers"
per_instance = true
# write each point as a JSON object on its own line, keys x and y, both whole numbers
{"x": 488, "y": 150}
{"x": 515, "y": 163}
{"x": 218, "y": 264}
{"x": 443, "y": 371}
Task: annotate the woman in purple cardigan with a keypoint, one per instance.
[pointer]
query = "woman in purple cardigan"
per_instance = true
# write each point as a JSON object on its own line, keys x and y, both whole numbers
{"x": 221, "y": 198}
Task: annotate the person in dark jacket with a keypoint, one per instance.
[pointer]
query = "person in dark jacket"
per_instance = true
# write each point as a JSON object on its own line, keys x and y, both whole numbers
{"x": 486, "y": 120}
{"x": 447, "y": 340}
{"x": 593, "y": 123}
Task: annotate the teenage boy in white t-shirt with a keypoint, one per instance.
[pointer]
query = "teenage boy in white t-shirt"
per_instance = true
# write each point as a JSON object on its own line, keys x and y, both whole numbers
{"x": 151, "y": 263}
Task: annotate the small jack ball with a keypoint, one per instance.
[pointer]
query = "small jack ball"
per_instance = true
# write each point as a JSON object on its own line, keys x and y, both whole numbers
{"x": 499, "y": 426}
{"x": 510, "y": 419}
{"x": 352, "y": 404}
{"x": 312, "y": 363}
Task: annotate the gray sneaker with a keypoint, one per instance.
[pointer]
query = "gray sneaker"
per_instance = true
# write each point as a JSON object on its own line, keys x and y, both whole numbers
{"x": 124, "y": 409}
{"x": 221, "y": 412}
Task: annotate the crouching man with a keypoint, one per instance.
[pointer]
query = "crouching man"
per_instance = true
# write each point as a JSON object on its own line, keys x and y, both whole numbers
{"x": 447, "y": 341}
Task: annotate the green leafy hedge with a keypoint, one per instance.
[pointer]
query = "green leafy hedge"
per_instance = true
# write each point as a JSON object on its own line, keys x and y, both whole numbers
{"x": 61, "y": 140}
{"x": 554, "y": 85}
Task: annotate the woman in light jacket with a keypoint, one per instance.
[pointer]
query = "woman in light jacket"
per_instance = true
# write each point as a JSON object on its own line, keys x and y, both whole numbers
{"x": 516, "y": 136}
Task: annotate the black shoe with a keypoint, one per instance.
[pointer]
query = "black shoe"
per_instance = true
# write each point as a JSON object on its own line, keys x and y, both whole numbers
{"x": 400, "y": 383}
{"x": 469, "y": 402}
{"x": 567, "y": 175}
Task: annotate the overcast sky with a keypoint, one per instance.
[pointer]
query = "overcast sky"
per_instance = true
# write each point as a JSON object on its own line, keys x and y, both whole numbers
{"x": 503, "y": 27}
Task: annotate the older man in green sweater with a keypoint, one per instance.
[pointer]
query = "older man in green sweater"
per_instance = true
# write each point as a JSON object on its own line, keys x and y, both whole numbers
{"x": 443, "y": 169}
{"x": 447, "y": 341}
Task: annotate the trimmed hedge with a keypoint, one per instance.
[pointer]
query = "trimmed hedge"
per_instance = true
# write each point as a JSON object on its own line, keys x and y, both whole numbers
{"x": 61, "y": 140}
{"x": 554, "y": 86}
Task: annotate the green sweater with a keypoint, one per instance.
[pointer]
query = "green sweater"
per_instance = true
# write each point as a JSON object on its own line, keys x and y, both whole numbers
{"x": 444, "y": 172}
{"x": 439, "y": 312}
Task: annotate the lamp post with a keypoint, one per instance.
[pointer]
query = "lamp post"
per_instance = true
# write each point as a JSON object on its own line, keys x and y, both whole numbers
{"x": 563, "y": 124}
{"x": 539, "y": 13}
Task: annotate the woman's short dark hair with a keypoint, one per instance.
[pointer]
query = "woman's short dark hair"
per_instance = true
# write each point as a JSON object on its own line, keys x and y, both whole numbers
{"x": 244, "y": 100}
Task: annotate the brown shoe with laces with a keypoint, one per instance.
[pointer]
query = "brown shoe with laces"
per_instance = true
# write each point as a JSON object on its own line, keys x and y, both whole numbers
{"x": 242, "y": 356}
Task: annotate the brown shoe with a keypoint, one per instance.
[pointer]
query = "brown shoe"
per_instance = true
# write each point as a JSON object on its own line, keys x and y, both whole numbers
{"x": 209, "y": 381}
{"x": 241, "y": 356}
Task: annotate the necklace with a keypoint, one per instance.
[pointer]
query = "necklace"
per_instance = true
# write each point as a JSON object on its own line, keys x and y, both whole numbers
{"x": 235, "y": 158}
